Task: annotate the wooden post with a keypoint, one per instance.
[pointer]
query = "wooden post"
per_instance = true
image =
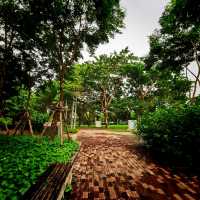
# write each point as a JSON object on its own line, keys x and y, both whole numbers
{"x": 72, "y": 114}
{"x": 7, "y": 130}
{"x": 61, "y": 127}
{"x": 22, "y": 118}
{"x": 29, "y": 123}
{"x": 75, "y": 111}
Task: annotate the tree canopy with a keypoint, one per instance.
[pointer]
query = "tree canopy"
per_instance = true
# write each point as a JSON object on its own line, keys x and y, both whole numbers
{"x": 176, "y": 45}
{"x": 46, "y": 35}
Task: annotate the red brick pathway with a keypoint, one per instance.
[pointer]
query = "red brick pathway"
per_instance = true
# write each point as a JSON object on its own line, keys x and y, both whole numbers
{"x": 111, "y": 167}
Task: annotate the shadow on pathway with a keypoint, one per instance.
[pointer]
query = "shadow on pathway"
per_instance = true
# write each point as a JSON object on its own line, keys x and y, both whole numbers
{"x": 112, "y": 167}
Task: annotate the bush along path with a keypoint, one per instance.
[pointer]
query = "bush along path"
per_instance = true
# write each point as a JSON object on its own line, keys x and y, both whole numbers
{"x": 23, "y": 159}
{"x": 115, "y": 167}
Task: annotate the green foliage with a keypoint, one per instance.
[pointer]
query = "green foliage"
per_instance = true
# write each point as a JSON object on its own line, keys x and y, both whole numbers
{"x": 133, "y": 115}
{"x": 17, "y": 104}
{"x": 173, "y": 129}
{"x": 152, "y": 88}
{"x": 19, "y": 49}
{"x": 173, "y": 132}
{"x": 99, "y": 116}
{"x": 103, "y": 79}
{"x": 5, "y": 121}
{"x": 37, "y": 37}
{"x": 104, "y": 74}
{"x": 23, "y": 159}
{"x": 177, "y": 43}
{"x": 38, "y": 119}
{"x": 68, "y": 189}
{"x": 46, "y": 95}
{"x": 37, "y": 106}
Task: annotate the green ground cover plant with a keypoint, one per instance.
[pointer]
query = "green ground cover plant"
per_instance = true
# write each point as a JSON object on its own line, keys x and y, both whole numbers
{"x": 24, "y": 158}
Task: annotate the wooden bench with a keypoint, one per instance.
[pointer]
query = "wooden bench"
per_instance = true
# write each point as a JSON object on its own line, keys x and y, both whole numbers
{"x": 52, "y": 183}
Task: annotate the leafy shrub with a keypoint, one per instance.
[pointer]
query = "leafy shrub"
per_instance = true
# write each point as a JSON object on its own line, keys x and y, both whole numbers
{"x": 38, "y": 119}
{"x": 24, "y": 158}
{"x": 133, "y": 115}
{"x": 5, "y": 121}
{"x": 174, "y": 132}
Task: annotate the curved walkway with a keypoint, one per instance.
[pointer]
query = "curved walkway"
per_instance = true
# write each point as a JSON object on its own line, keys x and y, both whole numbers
{"x": 112, "y": 166}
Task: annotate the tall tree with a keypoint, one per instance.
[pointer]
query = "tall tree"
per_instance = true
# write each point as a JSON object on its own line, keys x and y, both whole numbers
{"x": 147, "y": 89}
{"x": 138, "y": 86}
{"x": 104, "y": 80}
{"x": 57, "y": 30}
{"x": 177, "y": 44}
{"x": 71, "y": 25}
{"x": 20, "y": 57}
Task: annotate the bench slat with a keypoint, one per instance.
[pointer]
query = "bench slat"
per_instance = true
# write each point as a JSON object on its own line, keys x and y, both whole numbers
{"x": 52, "y": 183}
{"x": 48, "y": 185}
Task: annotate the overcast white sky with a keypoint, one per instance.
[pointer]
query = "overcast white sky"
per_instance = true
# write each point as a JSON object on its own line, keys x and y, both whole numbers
{"x": 141, "y": 19}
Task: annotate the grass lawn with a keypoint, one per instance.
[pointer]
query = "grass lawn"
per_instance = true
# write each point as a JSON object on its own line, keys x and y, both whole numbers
{"x": 24, "y": 158}
{"x": 86, "y": 126}
{"x": 71, "y": 130}
{"x": 116, "y": 127}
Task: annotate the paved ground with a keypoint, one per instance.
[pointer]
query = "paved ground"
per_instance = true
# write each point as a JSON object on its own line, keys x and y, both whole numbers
{"x": 113, "y": 167}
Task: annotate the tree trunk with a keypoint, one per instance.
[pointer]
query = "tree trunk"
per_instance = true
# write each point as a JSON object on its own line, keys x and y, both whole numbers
{"x": 61, "y": 127}
{"x": 106, "y": 117}
{"x": 29, "y": 123}
{"x": 104, "y": 106}
{"x": 198, "y": 74}
{"x": 50, "y": 120}
{"x": 61, "y": 103}
{"x": 20, "y": 123}
{"x": 138, "y": 120}
{"x": 7, "y": 129}
{"x": 75, "y": 111}
{"x": 190, "y": 91}
{"x": 195, "y": 84}
{"x": 72, "y": 114}
{"x": 28, "y": 118}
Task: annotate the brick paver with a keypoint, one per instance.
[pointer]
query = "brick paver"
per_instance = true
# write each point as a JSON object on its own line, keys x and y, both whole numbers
{"x": 111, "y": 167}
